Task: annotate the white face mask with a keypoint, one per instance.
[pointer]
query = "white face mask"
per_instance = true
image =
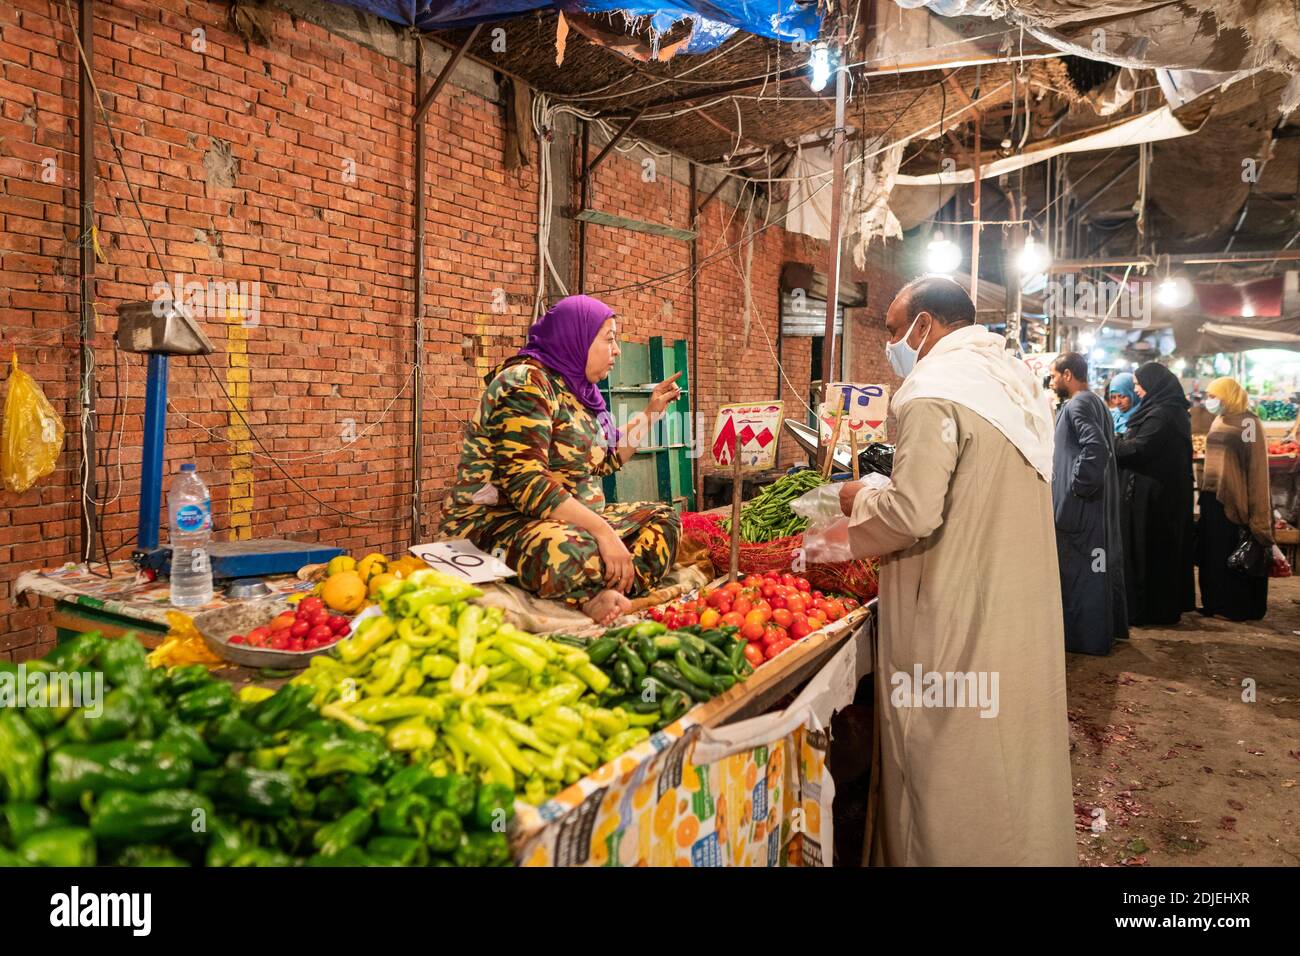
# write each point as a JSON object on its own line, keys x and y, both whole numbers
{"x": 1212, "y": 405}
{"x": 902, "y": 357}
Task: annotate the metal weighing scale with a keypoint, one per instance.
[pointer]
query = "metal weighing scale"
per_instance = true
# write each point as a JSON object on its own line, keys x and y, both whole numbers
{"x": 161, "y": 331}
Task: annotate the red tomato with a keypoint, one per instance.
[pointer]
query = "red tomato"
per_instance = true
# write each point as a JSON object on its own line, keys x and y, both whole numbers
{"x": 258, "y": 635}
{"x": 280, "y": 642}
{"x": 796, "y": 604}
{"x": 789, "y": 580}
{"x": 281, "y": 621}
{"x": 320, "y": 617}
{"x": 777, "y": 602}
{"x": 710, "y": 618}
{"x": 237, "y": 639}
{"x": 775, "y": 648}
{"x": 755, "y": 617}
{"x": 299, "y": 629}
{"x": 310, "y": 605}
{"x": 834, "y": 610}
{"x": 321, "y": 632}
{"x": 800, "y": 629}
{"x": 850, "y": 604}
{"x": 802, "y": 584}
{"x": 338, "y": 623}
{"x": 753, "y": 581}
{"x": 732, "y": 588}
{"x": 752, "y": 630}
{"x": 297, "y": 646}
{"x": 766, "y": 610}
{"x": 771, "y": 633}
{"x": 690, "y": 619}
{"x": 724, "y": 607}
{"x": 782, "y": 617}
{"x": 816, "y": 620}
{"x": 773, "y": 575}
{"x": 754, "y": 654}
{"x": 705, "y": 594}
{"x": 742, "y": 605}
{"x": 818, "y": 596}
{"x": 670, "y": 621}
{"x": 656, "y": 614}
{"x": 769, "y": 591}
{"x": 733, "y": 619}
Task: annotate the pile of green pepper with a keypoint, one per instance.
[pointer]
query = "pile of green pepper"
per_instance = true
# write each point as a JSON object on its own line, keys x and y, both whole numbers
{"x": 457, "y": 690}
{"x": 662, "y": 674}
{"x": 176, "y": 769}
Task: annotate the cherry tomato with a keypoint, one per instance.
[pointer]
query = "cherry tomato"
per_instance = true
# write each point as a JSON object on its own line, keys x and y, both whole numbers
{"x": 800, "y": 629}
{"x": 733, "y": 619}
{"x": 321, "y": 632}
{"x": 752, "y": 630}
{"x": 310, "y": 605}
{"x": 281, "y": 621}
{"x": 834, "y": 610}
{"x": 732, "y": 588}
{"x": 237, "y": 639}
{"x": 777, "y": 602}
{"x": 258, "y": 635}
{"x": 742, "y": 605}
{"x": 802, "y": 584}
{"x": 338, "y": 623}
{"x": 299, "y": 629}
{"x": 690, "y": 619}
{"x": 818, "y": 596}
{"x": 656, "y": 614}
{"x": 297, "y": 646}
{"x": 850, "y": 604}
{"x": 782, "y": 617}
{"x": 724, "y": 607}
{"x": 789, "y": 580}
{"x": 755, "y": 617}
{"x": 769, "y": 591}
{"x": 766, "y": 610}
{"x": 753, "y": 581}
{"x": 775, "y": 648}
{"x": 754, "y": 654}
{"x": 710, "y": 618}
{"x": 280, "y": 642}
{"x": 796, "y": 604}
{"x": 816, "y": 620}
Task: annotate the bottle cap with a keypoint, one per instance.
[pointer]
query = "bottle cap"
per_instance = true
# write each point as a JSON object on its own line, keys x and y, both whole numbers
{"x": 187, "y": 467}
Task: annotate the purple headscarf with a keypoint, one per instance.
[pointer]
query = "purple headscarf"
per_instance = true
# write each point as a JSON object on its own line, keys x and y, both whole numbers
{"x": 560, "y": 340}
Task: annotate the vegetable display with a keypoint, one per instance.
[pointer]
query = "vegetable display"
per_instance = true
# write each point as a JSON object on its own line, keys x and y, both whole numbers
{"x": 173, "y": 768}
{"x": 456, "y": 689}
{"x": 1276, "y": 411}
{"x": 767, "y": 516}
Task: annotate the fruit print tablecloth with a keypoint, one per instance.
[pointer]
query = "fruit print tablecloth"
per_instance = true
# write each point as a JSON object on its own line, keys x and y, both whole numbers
{"x": 754, "y": 793}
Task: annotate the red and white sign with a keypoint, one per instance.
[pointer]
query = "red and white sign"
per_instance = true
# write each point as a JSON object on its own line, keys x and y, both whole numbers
{"x": 749, "y": 430}
{"x": 862, "y": 409}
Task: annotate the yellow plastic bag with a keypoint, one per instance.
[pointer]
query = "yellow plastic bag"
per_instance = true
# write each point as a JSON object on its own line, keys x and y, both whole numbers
{"x": 33, "y": 434}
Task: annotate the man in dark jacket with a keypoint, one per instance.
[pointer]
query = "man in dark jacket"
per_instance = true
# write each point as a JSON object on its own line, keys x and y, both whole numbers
{"x": 1085, "y": 499}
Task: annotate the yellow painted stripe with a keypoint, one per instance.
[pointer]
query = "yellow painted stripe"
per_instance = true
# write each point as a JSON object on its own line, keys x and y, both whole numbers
{"x": 241, "y": 460}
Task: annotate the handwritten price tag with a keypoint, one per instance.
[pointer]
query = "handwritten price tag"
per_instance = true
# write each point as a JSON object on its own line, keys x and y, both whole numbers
{"x": 459, "y": 557}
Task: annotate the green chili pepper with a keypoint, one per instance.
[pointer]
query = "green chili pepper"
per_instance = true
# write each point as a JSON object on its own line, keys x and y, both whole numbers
{"x": 694, "y": 674}
{"x": 456, "y": 792}
{"x": 289, "y": 707}
{"x": 601, "y": 650}
{"x": 408, "y": 780}
{"x": 378, "y": 710}
{"x": 22, "y": 755}
{"x": 633, "y": 660}
{"x": 138, "y": 765}
{"x": 340, "y": 755}
{"x": 230, "y": 733}
{"x": 397, "y": 851}
{"x": 444, "y": 831}
{"x": 623, "y": 674}
{"x": 77, "y": 653}
{"x": 364, "y": 793}
{"x": 147, "y": 855}
{"x": 258, "y": 793}
{"x": 118, "y": 714}
{"x": 405, "y": 815}
{"x": 369, "y": 634}
{"x": 21, "y": 820}
{"x": 670, "y": 676}
{"x": 121, "y": 816}
{"x": 60, "y": 846}
{"x": 123, "y": 661}
{"x": 347, "y": 831}
{"x": 180, "y": 680}
{"x": 648, "y": 629}
{"x": 204, "y": 703}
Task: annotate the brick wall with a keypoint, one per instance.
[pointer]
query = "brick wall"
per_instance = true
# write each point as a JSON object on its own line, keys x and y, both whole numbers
{"x": 289, "y": 166}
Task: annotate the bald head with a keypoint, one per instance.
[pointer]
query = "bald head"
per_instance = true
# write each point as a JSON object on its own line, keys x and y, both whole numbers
{"x": 931, "y": 307}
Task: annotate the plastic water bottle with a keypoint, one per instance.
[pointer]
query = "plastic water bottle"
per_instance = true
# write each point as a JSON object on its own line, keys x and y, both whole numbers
{"x": 189, "y": 509}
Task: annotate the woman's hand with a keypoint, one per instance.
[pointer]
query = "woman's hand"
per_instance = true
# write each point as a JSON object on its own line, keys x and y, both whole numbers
{"x": 619, "y": 573}
{"x": 664, "y": 394}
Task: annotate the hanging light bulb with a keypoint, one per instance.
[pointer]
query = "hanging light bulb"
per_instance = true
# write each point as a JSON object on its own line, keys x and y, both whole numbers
{"x": 1180, "y": 366}
{"x": 1087, "y": 340}
{"x": 1174, "y": 292}
{"x": 942, "y": 255}
{"x": 1034, "y": 258}
{"x": 820, "y": 62}
{"x": 1098, "y": 354}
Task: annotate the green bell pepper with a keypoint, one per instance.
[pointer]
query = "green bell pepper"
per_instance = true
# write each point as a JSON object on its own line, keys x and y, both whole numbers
{"x": 124, "y": 662}
{"x": 408, "y": 780}
{"x": 397, "y": 851}
{"x": 18, "y": 821}
{"x": 364, "y": 793}
{"x": 148, "y": 855}
{"x": 287, "y": 708}
{"x": 22, "y": 755}
{"x": 121, "y": 710}
{"x": 494, "y": 847}
{"x": 120, "y": 816}
{"x": 137, "y": 765}
{"x": 444, "y": 831}
{"x": 185, "y": 739}
{"x": 455, "y": 792}
{"x": 59, "y": 846}
{"x": 230, "y": 732}
{"x": 469, "y": 852}
{"x": 332, "y": 802}
{"x": 77, "y": 653}
{"x": 341, "y": 755}
{"x": 247, "y": 791}
{"x": 404, "y": 816}
{"x": 204, "y": 703}
{"x": 495, "y": 807}
{"x": 347, "y": 831}
{"x": 181, "y": 680}
{"x": 348, "y": 856}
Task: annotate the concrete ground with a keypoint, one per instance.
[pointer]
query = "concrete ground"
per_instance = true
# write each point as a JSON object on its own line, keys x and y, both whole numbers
{"x": 1185, "y": 743}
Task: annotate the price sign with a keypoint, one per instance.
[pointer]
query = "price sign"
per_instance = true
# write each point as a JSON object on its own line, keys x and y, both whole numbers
{"x": 747, "y": 431}
{"x": 1040, "y": 364}
{"x": 459, "y": 557}
{"x": 863, "y": 409}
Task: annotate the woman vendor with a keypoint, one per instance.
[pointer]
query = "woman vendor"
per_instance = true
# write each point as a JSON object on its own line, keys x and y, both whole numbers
{"x": 529, "y": 479}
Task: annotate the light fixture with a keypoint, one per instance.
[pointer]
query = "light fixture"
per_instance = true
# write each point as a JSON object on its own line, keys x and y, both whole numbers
{"x": 1180, "y": 366}
{"x": 1087, "y": 340}
{"x": 820, "y": 62}
{"x": 1174, "y": 292}
{"x": 1247, "y": 310}
{"x": 942, "y": 255}
{"x": 1034, "y": 258}
{"x": 1098, "y": 354}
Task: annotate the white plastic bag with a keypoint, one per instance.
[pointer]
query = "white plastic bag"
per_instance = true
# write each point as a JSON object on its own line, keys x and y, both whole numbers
{"x": 826, "y": 541}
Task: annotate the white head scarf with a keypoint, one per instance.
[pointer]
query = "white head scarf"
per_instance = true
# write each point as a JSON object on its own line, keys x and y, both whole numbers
{"x": 972, "y": 367}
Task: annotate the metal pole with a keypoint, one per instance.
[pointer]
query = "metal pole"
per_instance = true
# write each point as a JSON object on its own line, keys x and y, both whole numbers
{"x": 583, "y": 199}
{"x": 417, "y": 344}
{"x": 86, "y": 327}
{"x": 695, "y": 328}
{"x": 975, "y": 226}
{"x": 837, "y": 194}
{"x": 151, "y": 454}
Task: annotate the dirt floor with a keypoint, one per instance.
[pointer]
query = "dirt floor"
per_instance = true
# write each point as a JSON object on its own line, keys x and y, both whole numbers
{"x": 1185, "y": 743}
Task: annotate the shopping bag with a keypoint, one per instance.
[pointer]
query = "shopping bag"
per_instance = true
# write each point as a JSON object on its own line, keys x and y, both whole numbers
{"x": 1281, "y": 567}
{"x": 32, "y": 436}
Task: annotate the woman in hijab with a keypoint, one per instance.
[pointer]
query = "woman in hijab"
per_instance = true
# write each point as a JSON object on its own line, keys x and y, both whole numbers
{"x": 1235, "y": 502}
{"x": 1124, "y": 402}
{"x": 529, "y": 479}
{"x": 1155, "y": 458}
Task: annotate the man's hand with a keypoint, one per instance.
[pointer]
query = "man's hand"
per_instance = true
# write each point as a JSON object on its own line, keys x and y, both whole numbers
{"x": 848, "y": 493}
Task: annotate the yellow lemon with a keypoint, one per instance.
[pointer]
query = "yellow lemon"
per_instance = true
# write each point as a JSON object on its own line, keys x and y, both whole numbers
{"x": 340, "y": 563}
{"x": 379, "y": 580}
{"x": 344, "y": 592}
{"x": 371, "y": 565}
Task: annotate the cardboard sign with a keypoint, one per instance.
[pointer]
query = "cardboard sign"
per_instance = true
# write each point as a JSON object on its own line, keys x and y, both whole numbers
{"x": 747, "y": 430}
{"x": 864, "y": 409}
{"x": 1040, "y": 364}
{"x": 459, "y": 557}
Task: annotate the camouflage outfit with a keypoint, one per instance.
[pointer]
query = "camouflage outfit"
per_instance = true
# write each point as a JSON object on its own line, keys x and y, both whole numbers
{"x": 537, "y": 444}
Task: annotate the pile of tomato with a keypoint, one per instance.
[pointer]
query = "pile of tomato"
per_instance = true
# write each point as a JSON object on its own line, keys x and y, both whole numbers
{"x": 310, "y": 627}
{"x": 772, "y": 611}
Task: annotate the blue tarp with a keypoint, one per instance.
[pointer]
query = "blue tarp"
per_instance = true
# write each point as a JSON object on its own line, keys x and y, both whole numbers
{"x": 715, "y": 22}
